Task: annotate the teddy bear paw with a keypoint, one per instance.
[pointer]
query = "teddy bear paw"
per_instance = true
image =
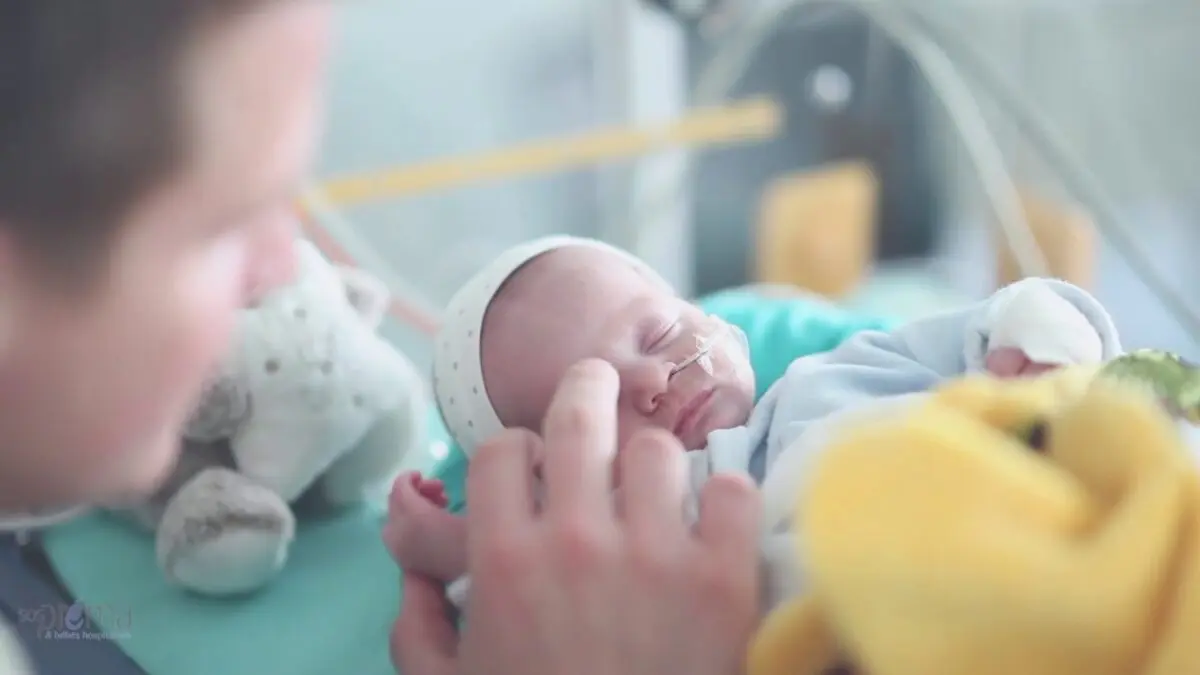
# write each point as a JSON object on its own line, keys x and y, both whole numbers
{"x": 223, "y": 534}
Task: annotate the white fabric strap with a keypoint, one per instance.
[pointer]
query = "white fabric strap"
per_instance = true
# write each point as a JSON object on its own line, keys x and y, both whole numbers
{"x": 457, "y": 361}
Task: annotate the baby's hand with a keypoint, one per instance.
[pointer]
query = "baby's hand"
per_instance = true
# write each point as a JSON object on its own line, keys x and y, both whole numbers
{"x": 1037, "y": 330}
{"x": 1010, "y": 362}
{"x": 416, "y": 509}
{"x": 432, "y": 489}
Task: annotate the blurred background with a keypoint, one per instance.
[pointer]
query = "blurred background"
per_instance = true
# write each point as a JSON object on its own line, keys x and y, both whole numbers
{"x": 866, "y": 192}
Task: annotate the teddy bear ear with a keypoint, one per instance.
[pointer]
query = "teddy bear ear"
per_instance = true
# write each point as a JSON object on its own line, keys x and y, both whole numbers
{"x": 366, "y": 294}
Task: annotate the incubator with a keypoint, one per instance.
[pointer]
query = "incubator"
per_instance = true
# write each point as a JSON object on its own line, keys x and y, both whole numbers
{"x": 1063, "y": 57}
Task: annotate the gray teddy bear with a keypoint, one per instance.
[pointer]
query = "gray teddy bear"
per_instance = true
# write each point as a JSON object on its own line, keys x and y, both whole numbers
{"x": 312, "y": 406}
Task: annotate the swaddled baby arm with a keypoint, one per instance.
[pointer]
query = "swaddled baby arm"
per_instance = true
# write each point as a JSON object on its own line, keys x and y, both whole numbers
{"x": 1040, "y": 323}
{"x": 1051, "y": 322}
{"x": 1048, "y": 321}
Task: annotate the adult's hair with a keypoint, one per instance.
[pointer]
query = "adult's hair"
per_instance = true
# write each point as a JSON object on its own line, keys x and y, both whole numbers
{"x": 92, "y": 115}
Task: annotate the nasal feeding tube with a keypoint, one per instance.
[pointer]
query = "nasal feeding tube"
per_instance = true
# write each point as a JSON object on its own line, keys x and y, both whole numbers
{"x": 705, "y": 344}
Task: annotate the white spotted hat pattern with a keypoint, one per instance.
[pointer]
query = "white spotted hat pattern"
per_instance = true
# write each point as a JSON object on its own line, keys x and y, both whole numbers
{"x": 458, "y": 383}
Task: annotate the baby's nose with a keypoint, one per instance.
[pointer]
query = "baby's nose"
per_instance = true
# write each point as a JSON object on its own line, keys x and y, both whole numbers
{"x": 646, "y": 386}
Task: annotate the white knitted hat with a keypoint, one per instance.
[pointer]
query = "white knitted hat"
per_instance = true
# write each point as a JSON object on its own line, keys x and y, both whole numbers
{"x": 457, "y": 362}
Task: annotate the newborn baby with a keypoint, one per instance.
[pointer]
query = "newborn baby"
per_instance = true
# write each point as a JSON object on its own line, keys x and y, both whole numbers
{"x": 512, "y": 331}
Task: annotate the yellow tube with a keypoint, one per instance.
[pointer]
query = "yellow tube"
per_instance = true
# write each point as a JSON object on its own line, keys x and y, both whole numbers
{"x": 755, "y": 119}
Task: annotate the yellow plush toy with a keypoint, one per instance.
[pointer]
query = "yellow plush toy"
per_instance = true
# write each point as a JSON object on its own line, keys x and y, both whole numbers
{"x": 1040, "y": 527}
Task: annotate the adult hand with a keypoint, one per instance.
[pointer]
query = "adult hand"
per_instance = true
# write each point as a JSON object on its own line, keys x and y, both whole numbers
{"x": 573, "y": 588}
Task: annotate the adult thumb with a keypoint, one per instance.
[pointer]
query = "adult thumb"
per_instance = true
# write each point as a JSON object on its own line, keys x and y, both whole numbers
{"x": 423, "y": 641}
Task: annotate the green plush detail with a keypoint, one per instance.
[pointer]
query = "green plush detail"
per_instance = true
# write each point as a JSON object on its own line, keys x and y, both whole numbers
{"x": 1171, "y": 379}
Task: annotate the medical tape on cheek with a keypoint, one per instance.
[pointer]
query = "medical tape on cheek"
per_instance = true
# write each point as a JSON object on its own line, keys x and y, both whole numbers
{"x": 722, "y": 336}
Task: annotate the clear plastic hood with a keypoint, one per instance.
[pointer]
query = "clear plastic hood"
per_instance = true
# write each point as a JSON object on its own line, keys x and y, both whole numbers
{"x": 1092, "y": 105}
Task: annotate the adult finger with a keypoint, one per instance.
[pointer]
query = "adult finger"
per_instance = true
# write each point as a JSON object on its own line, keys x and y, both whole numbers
{"x": 423, "y": 642}
{"x": 500, "y": 482}
{"x": 730, "y": 517}
{"x": 580, "y": 436}
{"x": 654, "y": 483}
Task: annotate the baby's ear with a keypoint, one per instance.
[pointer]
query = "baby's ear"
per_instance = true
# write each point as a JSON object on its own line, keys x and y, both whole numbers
{"x": 366, "y": 294}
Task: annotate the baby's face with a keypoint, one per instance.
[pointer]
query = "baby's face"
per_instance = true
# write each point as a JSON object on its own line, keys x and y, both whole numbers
{"x": 576, "y": 303}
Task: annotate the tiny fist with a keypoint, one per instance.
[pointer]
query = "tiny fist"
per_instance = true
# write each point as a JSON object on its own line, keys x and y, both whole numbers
{"x": 411, "y": 488}
{"x": 408, "y": 479}
{"x": 1034, "y": 369}
{"x": 397, "y": 487}
{"x": 433, "y": 490}
{"x": 1005, "y": 362}
{"x": 1009, "y": 362}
